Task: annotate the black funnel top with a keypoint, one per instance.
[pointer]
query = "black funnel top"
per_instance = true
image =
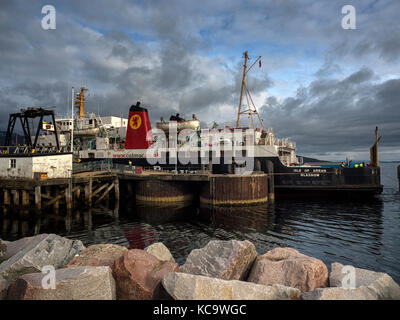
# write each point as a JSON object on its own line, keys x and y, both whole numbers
{"x": 137, "y": 107}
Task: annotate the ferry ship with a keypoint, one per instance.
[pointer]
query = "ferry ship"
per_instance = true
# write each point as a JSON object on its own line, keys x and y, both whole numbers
{"x": 132, "y": 141}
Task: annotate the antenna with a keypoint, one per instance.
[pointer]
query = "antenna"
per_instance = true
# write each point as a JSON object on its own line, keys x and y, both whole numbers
{"x": 250, "y": 103}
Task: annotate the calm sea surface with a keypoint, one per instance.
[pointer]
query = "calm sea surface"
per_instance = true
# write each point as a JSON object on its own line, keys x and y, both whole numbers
{"x": 365, "y": 234}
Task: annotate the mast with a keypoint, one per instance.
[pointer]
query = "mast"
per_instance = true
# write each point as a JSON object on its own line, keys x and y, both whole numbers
{"x": 72, "y": 119}
{"x": 373, "y": 151}
{"x": 246, "y": 56}
{"x": 376, "y": 142}
{"x": 250, "y": 103}
{"x": 80, "y": 102}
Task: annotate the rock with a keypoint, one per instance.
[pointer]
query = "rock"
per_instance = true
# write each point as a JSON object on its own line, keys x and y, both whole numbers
{"x": 227, "y": 260}
{"x": 39, "y": 251}
{"x": 3, "y": 288}
{"x": 3, "y": 249}
{"x": 338, "y": 294}
{"x": 13, "y": 247}
{"x": 290, "y": 268}
{"x": 183, "y": 286}
{"x": 138, "y": 275}
{"x": 380, "y": 285}
{"x": 160, "y": 251}
{"x": 75, "y": 283}
{"x": 98, "y": 255}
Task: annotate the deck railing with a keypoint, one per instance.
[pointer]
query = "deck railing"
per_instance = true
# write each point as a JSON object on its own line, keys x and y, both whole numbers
{"x": 27, "y": 150}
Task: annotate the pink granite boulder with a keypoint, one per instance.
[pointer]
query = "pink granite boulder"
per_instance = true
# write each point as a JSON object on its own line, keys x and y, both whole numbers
{"x": 138, "y": 275}
{"x": 290, "y": 268}
{"x": 80, "y": 283}
{"x": 98, "y": 255}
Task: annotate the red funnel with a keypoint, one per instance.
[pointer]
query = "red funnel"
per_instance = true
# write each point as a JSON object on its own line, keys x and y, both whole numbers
{"x": 138, "y": 126}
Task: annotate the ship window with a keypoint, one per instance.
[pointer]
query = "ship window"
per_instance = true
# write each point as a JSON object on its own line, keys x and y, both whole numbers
{"x": 13, "y": 163}
{"x": 90, "y": 121}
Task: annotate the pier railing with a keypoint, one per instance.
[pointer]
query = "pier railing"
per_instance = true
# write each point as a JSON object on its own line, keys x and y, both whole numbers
{"x": 103, "y": 166}
{"x": 109, "y": 166}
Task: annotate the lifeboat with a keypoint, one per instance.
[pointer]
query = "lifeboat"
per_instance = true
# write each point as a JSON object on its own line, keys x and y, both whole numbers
{"x": 86, "y": 132}
{"x": 181, "y": 125}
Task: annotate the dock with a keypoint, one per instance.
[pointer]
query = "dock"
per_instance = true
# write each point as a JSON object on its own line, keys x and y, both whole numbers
{"x": 90, "y": 188}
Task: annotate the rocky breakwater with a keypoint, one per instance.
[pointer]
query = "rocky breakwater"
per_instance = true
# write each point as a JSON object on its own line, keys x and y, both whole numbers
{"x": 222, "y": 270}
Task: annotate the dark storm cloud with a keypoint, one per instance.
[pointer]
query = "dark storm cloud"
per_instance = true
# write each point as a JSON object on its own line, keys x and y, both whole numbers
{"x": 185, "y": 56}
{"x": 377, "y": 32}
{"x": 332, "y": 115}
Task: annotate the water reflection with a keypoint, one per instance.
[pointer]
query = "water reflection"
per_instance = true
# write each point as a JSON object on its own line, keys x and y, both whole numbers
{"x": 243, "y": 219}
{"x": 364, "y": 233}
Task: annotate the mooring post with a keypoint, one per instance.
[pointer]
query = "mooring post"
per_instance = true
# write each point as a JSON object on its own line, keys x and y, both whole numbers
{"x": 271, "y": 187}
{"x": 25, "y": 198}
{"x": 38, "y": 197}
{"x": 398, "y": 175}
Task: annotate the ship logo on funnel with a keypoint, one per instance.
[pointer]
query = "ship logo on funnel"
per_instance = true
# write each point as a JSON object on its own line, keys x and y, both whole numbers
{"x": 135, "y": 122}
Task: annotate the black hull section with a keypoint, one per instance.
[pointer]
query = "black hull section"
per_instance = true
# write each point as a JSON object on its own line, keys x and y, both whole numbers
{"x": 293, "y": 181}
{"x": 325, "y": 181}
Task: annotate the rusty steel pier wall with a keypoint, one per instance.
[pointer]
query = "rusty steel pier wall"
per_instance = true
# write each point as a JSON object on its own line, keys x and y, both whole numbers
{"x": 152, "y": 188}
{"x": 235, "y": 190}
{"x": 159, "y": 191}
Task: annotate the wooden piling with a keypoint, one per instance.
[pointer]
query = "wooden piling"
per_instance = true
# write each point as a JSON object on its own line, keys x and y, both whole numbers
{"x": 7, "y": 197}
{"x": 56, "y": 202}
{"x": 105, "y": 193}
{"x": 271, "y": 187}
{"x": 77, "y": 194}
{"x": 15, "y": 194}
{"x": 25, "y": 198}
{"x": 116, "y": 189}
{"x": 89, "y": 192}
{"x": 38, "y": 198}
{"x": 68, "y": 197}
{"x": 129, "y": 189}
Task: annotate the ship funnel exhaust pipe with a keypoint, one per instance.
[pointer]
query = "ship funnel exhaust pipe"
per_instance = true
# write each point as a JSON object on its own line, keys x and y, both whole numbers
{"x": 138, "y": 126}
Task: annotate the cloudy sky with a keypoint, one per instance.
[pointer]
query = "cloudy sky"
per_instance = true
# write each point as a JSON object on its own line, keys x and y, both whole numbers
{"x": 323, "y": 86}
